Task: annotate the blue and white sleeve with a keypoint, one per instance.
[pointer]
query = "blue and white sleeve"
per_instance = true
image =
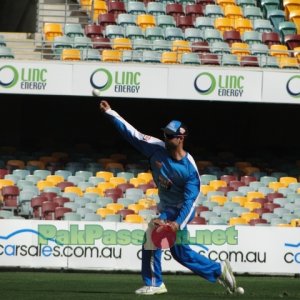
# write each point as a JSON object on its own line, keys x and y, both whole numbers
{"x": 191, "y": 192}
{"x": 144, "y": 143}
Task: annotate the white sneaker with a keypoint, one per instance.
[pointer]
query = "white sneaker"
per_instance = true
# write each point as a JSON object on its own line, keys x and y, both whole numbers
{"x": 227, "y": 278}
{"x": 152, "y": 290}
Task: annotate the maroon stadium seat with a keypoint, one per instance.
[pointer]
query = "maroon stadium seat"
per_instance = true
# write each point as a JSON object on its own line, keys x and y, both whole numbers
{"x": 114, "y": 193}
{"x": 271, "y": 38}
{"x": 174, "y": 9}
{"x": 194, "y": 10}
{"x": 292, "y": 40}
{"x": 48, "y": 209}
{"x": 93, "y": 30}
{"x": 249, "y": 61}
{"x": 232, "y": 36}
{"x": 60, "y": 211}
{"x": 106, "y": 19}
{"x": 116, "y": 7}
{"x": 254, "y": 222}
{"x": 101, "y": 43}
{"x": 200, "y": 46}
{"x": 184, "y": 22}
{"x": 209, "y": 59}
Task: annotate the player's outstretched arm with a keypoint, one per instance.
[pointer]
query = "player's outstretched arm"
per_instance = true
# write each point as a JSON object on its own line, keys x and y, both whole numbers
{"x": 104, "y": 106}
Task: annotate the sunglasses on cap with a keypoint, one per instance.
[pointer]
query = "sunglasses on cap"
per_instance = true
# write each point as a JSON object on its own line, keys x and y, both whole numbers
{"x": 171, "y": 136}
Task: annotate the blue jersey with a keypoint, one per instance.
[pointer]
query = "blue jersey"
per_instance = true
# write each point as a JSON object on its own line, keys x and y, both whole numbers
{"x": 178, "y": 181}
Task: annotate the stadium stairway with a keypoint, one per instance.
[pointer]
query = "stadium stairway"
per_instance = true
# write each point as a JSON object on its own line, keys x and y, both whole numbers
{"x": 22, "y": 44}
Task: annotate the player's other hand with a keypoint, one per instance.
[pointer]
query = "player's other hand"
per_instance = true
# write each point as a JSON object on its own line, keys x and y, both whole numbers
{"x": 104, "y": 106}
{"x": 173, "y": 225}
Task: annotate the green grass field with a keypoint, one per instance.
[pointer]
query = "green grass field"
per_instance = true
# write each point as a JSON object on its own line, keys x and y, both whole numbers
{"x": 64, "y": 285}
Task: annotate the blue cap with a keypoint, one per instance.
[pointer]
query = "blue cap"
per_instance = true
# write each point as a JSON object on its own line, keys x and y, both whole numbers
{"x": 175, "y": 127}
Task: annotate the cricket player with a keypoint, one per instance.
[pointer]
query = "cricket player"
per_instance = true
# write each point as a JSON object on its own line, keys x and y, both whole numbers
{"x": 178, "y": 181}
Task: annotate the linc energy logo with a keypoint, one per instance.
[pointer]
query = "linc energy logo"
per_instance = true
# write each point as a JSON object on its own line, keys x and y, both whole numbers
{"x": 224, "y": 85}
{"x": 27, "y": 78}
{"x": 293, "y": 86}
{"x": 121, "y": 82}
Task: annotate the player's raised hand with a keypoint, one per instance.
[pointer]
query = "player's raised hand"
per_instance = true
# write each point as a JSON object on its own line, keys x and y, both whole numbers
{"x": 104, "y": 106}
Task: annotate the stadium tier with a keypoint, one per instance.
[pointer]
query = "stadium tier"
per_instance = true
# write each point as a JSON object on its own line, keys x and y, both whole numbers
{"x": 56, "y": 186}
{"x": 129, "y": 31}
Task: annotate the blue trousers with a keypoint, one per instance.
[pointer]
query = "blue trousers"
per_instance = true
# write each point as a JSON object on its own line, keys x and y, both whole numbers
{"x": 197, "y": 263}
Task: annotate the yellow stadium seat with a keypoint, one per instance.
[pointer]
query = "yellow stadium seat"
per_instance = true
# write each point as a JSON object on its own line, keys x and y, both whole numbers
{"x": 103, "y": 211}
{"x": 240, "y": 49}
{"x": 70, "y": 54}
{"x": 242, "y": 164}
{"x": 115, "y": 206}
{"x": 117, "y": 180}
{"x": 146, "y": 202}
{"x": 289, "y": 6}
{"x": 243, "y": 25}
{"x": 239, "y": 199}
{"x": 137, "y": 181}
{"x": 43, "y": 184}
{"x": 252, "y": 205}
{"x": 233, "y": 12}
{"x": 5, "y": 182}
{"x": 219, "y": 199}
{"x": 224, "y": 3}
{"x": 100, "y": 8}
{"x": 202, "y": 164}
{"x": 102, "y": 186}
{"x": 251, "y": 169}
{"x": 86, "y": 4}
{"x": 51, "y": 30}
{"x": 136, "y": 207}
{"x": 95, "y": 190}
{"x": 287, "y": 180}
{"x": 249, "y": 216}
{"x": 74, "y": 189}
{"x": 151, "y": 192}
{"x": 145, "y": 21}
{"x": 279, "y": 50}
{"x": 205, "y": 189}
{"x": 237, "y": 221}
{"x": 114, "y": 165}
{"x": 287, "y": 62}
{"x": 105, "y": 175}
{"x": 251, "y": 195}
{"x": 111, "y": 55}
{"x": 298, "y": 191}
{"x": 284, "y": 225}
{"x": 181, "y": 46}
{"x": 224, "y": 24}
{"x": 145, "y": 176}
{"x": 297, "y": 53}
{"x": 275, "y": 185}
{"x": 16, "y": 163}
{"x": 55, "y": 179}
{"x": 170, "y": 57}
{"x": 215, "y": 184}
{"x": 36, "y": 163}
{"x": 105, "y": 160}
{"x": 132, "y": 218}
{"x": 121, "y": 44}
{"x": 295, "y": 223}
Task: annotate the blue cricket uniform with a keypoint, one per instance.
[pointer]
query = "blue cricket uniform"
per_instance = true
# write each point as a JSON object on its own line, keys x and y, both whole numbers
{"x": 178, "y": 185}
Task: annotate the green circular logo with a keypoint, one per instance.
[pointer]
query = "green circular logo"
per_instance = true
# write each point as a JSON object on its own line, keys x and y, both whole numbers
{"x": 101, "y": 79}
{"x": 292, "y": 87}
{"x": 205, "y": 83}
{"x": 9, "y": 76}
